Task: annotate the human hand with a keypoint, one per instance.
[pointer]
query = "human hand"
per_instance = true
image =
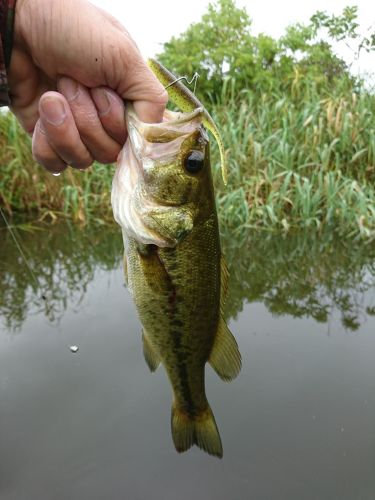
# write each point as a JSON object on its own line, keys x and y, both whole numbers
{"x": 72, "y": 66}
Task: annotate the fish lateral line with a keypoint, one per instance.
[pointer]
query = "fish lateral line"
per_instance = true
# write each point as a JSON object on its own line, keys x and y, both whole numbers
{"x": 183, "y": 98}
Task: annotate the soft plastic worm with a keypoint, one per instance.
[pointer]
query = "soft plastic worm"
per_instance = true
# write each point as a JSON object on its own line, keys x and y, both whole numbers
{"x": 183, "y": 98}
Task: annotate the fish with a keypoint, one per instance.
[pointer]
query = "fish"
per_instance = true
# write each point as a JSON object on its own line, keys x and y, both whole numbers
{"x": 163, "y": 199}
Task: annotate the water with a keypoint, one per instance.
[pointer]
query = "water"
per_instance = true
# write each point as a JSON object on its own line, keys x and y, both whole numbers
{"x": 298, "y": 423}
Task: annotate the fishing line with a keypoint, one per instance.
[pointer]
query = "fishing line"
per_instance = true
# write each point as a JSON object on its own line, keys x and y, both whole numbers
{"x": 193, "y": 79}
{"x": 32, "y": 274}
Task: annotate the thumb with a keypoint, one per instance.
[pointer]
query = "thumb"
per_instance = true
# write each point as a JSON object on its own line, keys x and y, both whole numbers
{"x": 144, "y": 89}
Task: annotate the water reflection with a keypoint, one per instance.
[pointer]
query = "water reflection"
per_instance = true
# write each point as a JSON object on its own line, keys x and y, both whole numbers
{"x": 302, "y": 276}
{"x": 298, "y": 423}
{"x": 63, "y": 258}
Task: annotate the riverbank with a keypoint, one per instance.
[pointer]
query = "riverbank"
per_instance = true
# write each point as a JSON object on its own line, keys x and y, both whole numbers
{"x": 295, "y": 162}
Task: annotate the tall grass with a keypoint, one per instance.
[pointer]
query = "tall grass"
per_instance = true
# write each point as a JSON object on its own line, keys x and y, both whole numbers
{"x": 304, "y": 160}
{"x": 25, "y": 187}
{"x": 299, "y": 163}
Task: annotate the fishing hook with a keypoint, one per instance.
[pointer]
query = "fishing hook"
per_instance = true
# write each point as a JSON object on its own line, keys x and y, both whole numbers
{"x": 193, "y": 79}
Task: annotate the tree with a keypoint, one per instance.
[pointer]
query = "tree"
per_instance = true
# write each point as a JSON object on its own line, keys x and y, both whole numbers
{"x": 217, "y": 47}
{"x": 221, "y": 47}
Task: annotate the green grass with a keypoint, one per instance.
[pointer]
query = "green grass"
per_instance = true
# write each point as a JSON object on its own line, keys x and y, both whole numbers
{"x": 297, "y": 164}
{"x": 300, "y": 161}
{"x": 25, "y": 187}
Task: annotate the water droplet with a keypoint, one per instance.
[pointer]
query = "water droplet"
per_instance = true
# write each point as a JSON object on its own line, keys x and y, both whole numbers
{"x": 73, "y": 348}
{"x": 56, "y": 174}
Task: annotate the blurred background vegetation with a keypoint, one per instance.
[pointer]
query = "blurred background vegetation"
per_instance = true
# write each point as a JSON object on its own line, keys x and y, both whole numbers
{"x": 298, "y": 128}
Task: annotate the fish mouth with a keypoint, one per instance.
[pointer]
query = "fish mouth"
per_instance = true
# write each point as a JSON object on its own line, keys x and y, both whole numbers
{"x": 138, "y": 211}
{"x": 174, "y": 125}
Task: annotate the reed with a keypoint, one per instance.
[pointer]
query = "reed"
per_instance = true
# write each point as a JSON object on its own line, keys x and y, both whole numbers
{"x": 25, "y": 187}
{"x": 296, "y": 161}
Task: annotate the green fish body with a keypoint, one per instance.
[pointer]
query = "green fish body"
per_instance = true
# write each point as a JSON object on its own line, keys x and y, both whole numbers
{"x": 163, "y": 198}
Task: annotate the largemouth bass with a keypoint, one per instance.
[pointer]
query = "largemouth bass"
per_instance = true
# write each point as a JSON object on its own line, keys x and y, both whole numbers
{"x": 163, "y": 198}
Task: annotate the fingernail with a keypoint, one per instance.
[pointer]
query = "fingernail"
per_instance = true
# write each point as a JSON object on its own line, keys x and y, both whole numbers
{"x": 53, "y": 110}
{"x": 70, "y": 88}
{"x": 40, "y": 126}
{"x": 102, "y": 100}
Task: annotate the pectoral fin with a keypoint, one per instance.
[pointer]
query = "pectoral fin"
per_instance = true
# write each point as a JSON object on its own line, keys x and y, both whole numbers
{"x": 151, "y": 357}
{"x": 225, "y": 357}
{"x": 153, "y": 269}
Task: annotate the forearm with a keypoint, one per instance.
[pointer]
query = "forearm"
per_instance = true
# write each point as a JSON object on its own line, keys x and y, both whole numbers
{"x": 7, "y": 8}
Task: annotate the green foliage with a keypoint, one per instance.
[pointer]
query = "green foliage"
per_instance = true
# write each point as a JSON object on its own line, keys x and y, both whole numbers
{"x": 221, "y": 46}
{"x": 294, "y": 163}
{"x": 298, "y": 164}
{"x": 339, "y": 27}
{"x": 217, "y": 47}
{"x": 298, "y": 130}
{"x": 26, "y": 187}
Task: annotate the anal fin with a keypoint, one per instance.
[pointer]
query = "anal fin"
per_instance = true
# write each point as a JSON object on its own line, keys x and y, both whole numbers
{"x": 151, "y": 357}
{"x": 225, "y": 358}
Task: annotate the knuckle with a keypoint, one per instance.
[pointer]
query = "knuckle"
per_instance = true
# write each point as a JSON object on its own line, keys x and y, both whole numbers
{"x": 83, "y": 160}
{"x": 81, "y": 163}
{"x": 46, "y": 157}
{"x": 108, "y": 156}
{"x": 161, "y": 97}
{"x": 41, "y": 156}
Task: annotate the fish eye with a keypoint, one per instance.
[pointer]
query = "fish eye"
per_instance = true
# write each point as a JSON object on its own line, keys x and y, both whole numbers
{"x": 194, "y": 162}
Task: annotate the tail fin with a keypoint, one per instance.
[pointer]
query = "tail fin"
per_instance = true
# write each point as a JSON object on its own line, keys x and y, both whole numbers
{"x": 200, "y": 430}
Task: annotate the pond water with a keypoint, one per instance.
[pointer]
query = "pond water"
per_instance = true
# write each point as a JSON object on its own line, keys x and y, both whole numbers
{"x": 298, "y": 423}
